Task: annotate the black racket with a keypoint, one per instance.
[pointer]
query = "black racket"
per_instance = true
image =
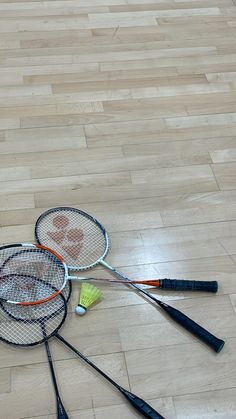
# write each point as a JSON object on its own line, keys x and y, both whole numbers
{"x": 29, "y": 326}
{"x": 83, "y": 243}
{"x": 140, "y": 405}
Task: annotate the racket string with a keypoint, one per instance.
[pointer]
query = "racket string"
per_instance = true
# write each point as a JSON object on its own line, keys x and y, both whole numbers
{"x": 29, "y": 274}
{"x": 31, "y": 325}
{"x": 83, "y": 251}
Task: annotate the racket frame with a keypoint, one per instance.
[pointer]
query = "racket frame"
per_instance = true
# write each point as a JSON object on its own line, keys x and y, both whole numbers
{"x": 48, "y": 250}
{"x": 90, "y": 217}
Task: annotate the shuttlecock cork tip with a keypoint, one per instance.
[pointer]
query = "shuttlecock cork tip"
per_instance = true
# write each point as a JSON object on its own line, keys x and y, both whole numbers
{"x": 80, "y": 310}
{"x": 89, "y": 295}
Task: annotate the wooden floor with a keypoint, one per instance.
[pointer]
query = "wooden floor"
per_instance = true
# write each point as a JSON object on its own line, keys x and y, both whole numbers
{"x": 126, "y": 109}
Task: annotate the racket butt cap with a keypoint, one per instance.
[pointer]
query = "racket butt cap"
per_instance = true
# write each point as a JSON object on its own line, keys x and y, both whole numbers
{"x": 220, "y": 346}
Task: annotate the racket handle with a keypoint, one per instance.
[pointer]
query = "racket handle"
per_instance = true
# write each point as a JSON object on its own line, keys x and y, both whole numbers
{"x": 61, "y": 413}
{"x": 140, "y": 405}
{"x": 184, "y": 285}
{"x": 201, "y": 333}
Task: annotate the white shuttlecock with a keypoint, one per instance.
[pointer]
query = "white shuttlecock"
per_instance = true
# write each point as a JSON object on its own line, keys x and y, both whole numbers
{"x": 89, "y": 294}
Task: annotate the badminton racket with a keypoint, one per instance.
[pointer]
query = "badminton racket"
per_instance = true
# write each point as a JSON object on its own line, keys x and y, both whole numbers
{"x": 30, "y": 274}
{"x": 83, "y": 243}
{"x": 26, "y": 326}
{"x": 16, "y": 329}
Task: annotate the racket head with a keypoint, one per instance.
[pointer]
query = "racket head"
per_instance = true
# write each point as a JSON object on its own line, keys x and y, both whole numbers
{"x": 30, "y": 274}
{"x": 26, "y": 326}
{"x": 78, "y": 237}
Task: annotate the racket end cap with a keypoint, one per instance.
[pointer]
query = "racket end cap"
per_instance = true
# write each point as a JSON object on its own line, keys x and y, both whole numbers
{"x": 220, "y": 346}
{"x": 80, "y": 310}
{"x": 215, "y": 287}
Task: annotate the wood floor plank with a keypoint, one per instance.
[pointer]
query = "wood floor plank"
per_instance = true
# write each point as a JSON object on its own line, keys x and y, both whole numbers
{"x": 225, "y": 175}
{"x": 200, "y": 405}
{"x": 5, "y": 381}
{"x": 17, "y": 201}
{"x": 142, "y": 379}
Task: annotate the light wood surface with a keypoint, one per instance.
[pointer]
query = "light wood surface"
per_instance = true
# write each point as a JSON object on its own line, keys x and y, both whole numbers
{"x": 125, "y": 109}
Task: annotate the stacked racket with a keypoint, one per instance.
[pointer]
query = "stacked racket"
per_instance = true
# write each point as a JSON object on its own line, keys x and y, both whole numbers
{"x": 33, "y": 307}
{"x": 35, "y": 288}
{"x": 30, "y": 274}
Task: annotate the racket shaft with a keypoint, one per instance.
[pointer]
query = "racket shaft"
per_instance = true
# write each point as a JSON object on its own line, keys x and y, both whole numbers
{"x": 61, "y": 412}
{"x": 140, "y": 405}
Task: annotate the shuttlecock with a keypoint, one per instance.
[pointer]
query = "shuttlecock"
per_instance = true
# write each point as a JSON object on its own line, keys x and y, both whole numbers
{"x": 89, "y": 294}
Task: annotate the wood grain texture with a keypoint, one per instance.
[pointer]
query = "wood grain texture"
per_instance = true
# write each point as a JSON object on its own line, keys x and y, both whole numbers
{"x": 127, "y": 110}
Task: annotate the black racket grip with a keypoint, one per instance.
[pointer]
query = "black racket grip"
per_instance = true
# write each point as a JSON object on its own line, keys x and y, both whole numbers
{"x": 186, "y": 285}
{"x": 197, "y": 330}
{"x": 61, "y": 413}
{"x": 141, "y": 406}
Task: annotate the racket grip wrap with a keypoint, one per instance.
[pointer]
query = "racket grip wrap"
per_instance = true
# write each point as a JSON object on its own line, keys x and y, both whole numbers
{"x": 141, "y": 406}
{"x": 186, "y": 285}
{"x": 201, "y": 333}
